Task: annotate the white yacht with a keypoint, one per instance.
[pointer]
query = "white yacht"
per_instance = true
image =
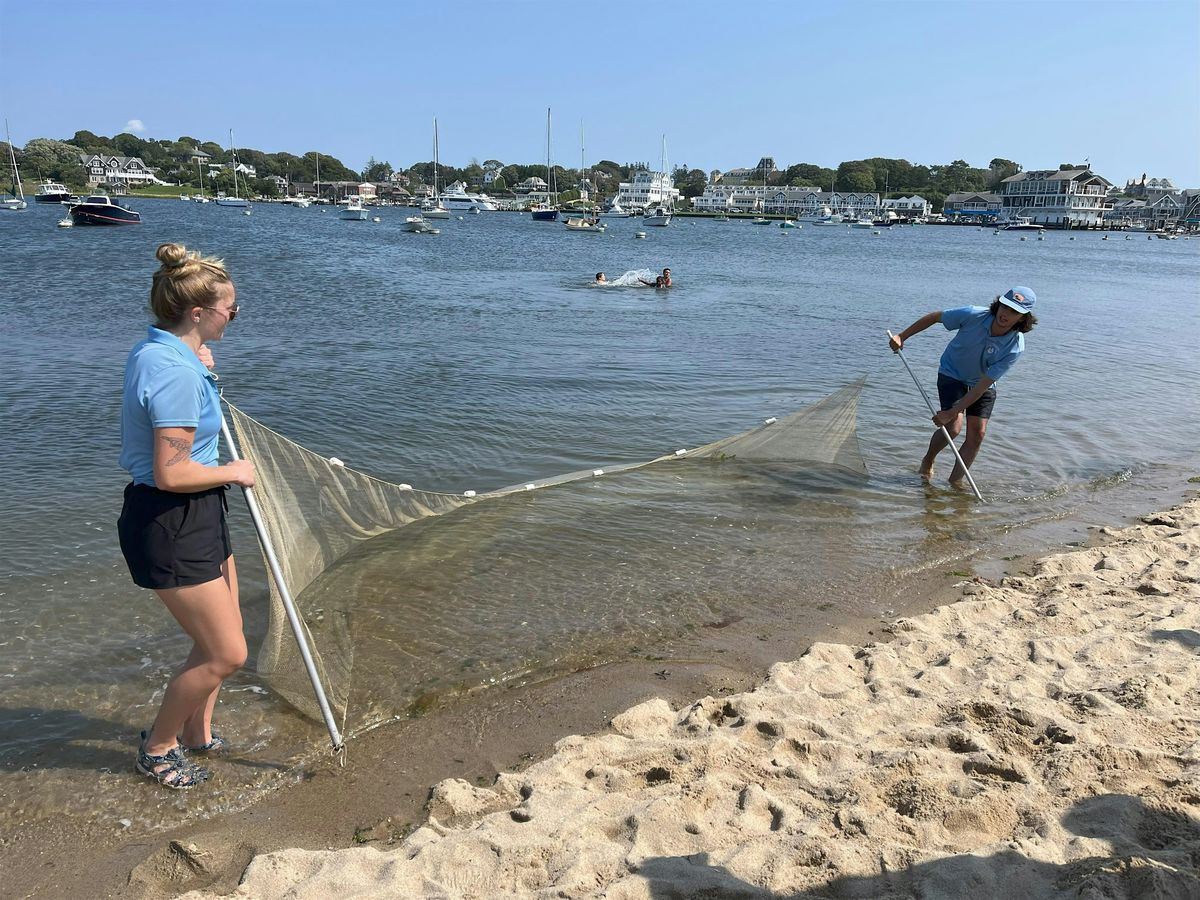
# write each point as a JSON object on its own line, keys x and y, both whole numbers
{"x": 456, "y": 197}
{"x": 660, "y": 216}
{"x": 616, "y": 211}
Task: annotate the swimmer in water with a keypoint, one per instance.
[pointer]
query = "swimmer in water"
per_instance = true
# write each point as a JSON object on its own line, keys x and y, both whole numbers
{"x": 600, "y": 279}
{"x": 662, "y": 281}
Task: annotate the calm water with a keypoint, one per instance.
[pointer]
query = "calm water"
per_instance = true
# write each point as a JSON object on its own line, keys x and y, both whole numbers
{"x": 481, "y": 357}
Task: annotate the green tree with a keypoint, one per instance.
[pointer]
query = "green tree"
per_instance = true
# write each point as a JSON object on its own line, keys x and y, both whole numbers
{"x": 376, "y": 170}
{"x": 999, "y": 169}
{"x": 855, "y": 176}
{"x": 55, "y": 160}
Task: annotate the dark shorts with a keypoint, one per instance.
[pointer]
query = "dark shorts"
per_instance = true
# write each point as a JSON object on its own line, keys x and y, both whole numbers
{"x": 173, "y": 540}
{"x": 951, "y": 390}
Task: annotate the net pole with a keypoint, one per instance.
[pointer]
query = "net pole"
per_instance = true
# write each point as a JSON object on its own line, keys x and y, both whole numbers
{"x": 285, "y": 595}
{"x": 941, "y": 428}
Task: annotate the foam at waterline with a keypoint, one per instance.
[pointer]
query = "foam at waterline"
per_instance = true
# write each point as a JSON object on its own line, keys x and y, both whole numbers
{"x": 632, "y": 278}
{"x": 316, "y": 510}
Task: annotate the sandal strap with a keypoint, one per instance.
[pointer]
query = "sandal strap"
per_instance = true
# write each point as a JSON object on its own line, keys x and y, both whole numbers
{"x": 175, "y": 762}
{"x": 216, "y": 743}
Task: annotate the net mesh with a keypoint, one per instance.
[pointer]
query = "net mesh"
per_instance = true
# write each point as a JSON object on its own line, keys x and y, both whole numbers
{"x": 315, "y": 510}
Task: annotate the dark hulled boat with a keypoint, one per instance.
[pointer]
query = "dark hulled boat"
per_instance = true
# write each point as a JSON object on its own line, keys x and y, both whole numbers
{"x": 100, "y": 209}
{"x": 51, "y": 192}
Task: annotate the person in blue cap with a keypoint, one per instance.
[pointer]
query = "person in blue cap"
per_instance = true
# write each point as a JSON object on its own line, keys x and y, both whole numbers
{"x": 988, "y": 342}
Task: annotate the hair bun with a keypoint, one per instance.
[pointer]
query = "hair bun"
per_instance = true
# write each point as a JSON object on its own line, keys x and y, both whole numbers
{"x": 172, "y": 256}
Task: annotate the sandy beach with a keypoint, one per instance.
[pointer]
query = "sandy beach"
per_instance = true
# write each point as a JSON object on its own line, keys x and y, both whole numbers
{"x": 1036, "y": 738}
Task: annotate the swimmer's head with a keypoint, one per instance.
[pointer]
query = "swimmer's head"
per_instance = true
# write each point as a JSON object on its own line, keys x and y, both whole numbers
{"x": 600, "y": 279}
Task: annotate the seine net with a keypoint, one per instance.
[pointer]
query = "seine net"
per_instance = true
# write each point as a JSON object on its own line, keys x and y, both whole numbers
{"x": 316, "y": 510}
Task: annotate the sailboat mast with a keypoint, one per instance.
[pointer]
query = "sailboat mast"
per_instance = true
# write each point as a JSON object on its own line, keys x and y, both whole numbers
{"x": 18, "y": 191}
{"x": 233, "y": 154}
{"x": 435, "y": 159}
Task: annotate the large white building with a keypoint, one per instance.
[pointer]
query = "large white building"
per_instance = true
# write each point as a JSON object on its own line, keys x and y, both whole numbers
{"x": 647, "y": 189}
{"x": 788, "y": 201}
{"x": 1067, "y": 198}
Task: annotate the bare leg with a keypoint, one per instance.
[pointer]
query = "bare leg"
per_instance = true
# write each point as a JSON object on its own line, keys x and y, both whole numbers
{"x": 209, "y": 613}
{"x": 976, "y": 428}
{"x": 937, "y": 443}
{"x": 197, "y": 730}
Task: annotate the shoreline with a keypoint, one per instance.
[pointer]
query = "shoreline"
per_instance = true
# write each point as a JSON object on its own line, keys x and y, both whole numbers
{"x": 382, "y": 794}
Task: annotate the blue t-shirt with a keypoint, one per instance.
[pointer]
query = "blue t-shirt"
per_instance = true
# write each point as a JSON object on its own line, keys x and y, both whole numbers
{"x": 974, "y": 351}
{"x": 166, "y": 386}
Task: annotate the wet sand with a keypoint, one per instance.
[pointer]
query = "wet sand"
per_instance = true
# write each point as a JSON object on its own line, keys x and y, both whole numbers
{"x": 381, "y": 797}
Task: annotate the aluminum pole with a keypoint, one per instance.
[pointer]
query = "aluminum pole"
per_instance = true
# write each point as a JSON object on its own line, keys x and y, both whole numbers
{"x": 941, "y": 428}
{"x": 335, "y": 735}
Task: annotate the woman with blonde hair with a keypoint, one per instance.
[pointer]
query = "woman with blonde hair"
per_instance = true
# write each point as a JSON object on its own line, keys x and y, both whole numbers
{"x": 172, "y": 526}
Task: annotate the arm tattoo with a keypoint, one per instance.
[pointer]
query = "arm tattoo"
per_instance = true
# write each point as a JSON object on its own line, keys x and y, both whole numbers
{"x": 183, "y": 449}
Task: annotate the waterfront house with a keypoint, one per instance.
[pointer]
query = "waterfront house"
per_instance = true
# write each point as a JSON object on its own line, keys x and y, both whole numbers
{"x": 913, "y": 206}
{"x": 765, "y": 168}
{"x": 1190, "y": 216}
{"x": 279, "y": 181}
{"x": 248, "y": 171}
{"x": 490, "y": 176}
{"x": 199, "y": 156}
{"x": 103, "y": 168}
{"x": 398, "y": 178}
{"x": 1150, "y": 189}
{"x": 972, "y": 206}
{"x": 531, "y": 185}
{"x": 1066, "y": 198}
{"x": 647, "y": 189}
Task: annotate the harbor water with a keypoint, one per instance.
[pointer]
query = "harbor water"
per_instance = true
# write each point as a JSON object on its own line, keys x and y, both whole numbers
{"x": 484, "y": 356}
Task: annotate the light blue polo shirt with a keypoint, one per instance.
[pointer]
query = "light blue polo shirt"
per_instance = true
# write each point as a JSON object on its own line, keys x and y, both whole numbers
{"x": 166, "y": 386}
{"x": 974, "y": 351}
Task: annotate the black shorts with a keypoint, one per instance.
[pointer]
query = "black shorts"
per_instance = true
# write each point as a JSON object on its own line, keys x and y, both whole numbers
{"x": 951, "y": 390}
{"x": 173, "y": 540}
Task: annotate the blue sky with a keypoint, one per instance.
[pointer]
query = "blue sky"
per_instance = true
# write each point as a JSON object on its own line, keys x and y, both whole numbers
{"x": 1038, "y": 82}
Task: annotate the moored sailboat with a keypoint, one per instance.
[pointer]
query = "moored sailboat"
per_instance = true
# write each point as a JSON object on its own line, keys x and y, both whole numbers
{"x": 236, "y": 199}
{"x": 548, "y": 211}
{"x": 17, "y": 200}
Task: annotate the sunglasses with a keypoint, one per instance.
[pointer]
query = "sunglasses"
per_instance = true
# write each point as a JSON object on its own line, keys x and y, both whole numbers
{"x": 231, "y": 313}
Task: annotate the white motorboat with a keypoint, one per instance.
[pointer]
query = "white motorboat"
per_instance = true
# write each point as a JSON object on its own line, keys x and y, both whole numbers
{"x": 760, "y": 220}
{"x": 353, "y": 211}
{"x": 616, "y": 211}
{"x": 199, "y": 198}
{"x": 298, "y": 202}
{"x": 17, "y": 200}
{"x": 1021, "y": 224}
{"x": 833, "y": 219}
{"x": 418, "y": 225}
{"x": 863, "y": 223}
